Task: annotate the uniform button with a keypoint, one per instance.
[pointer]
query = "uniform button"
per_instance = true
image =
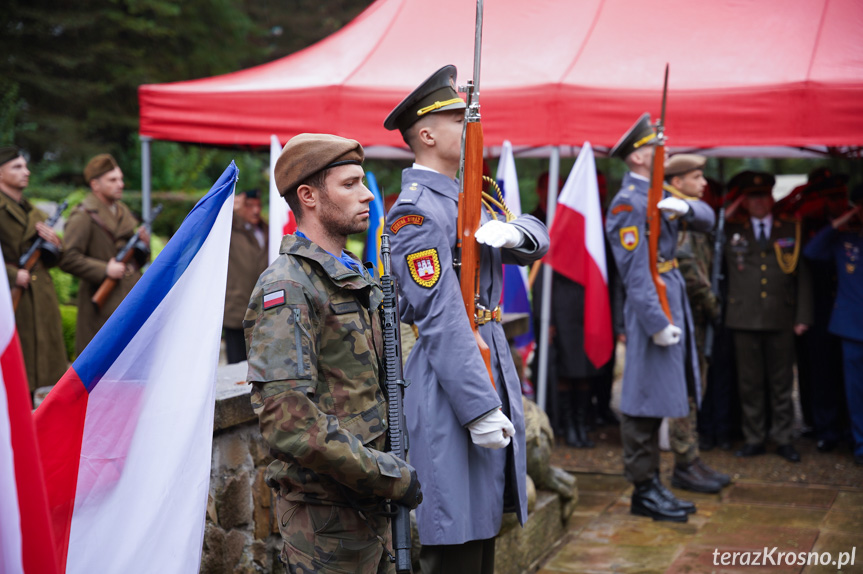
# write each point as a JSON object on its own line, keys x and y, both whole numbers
{"x": 763, "y": 254}
{"x": 763, "y": 267}
{"x": 763, "y": 294}
{"x": 764, "y": 280}
{"x": 32, "y": 278}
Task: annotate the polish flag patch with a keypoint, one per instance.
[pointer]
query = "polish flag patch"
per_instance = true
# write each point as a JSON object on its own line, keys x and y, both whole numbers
{"x": 274, "y": 299}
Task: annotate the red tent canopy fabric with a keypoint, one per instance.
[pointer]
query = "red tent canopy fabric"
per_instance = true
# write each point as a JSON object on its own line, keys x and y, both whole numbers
{"x": 743, "y": 73}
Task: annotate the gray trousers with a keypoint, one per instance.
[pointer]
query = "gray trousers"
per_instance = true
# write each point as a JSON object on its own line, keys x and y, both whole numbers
{"x": 640, "y": 438}
{"x": 765, "y": 357}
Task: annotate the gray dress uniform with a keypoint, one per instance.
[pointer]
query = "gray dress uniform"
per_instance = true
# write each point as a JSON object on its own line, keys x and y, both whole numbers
{"x": 463, "y": 484}
{"x": 655, "y": 378}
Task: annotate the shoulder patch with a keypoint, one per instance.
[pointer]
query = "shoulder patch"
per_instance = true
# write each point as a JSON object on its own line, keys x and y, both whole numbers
{"x": 620, "y": 208}
{"x": 406, "y": 220}
{"x": 424, "y": 267}
{"x": 274, "y": 299}
{"x": 629, "y": 237}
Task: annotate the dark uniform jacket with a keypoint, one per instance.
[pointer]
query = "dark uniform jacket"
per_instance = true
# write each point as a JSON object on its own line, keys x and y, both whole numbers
{"x": 246, "y": 261}
{"x": 463, "y": 484}
{"x": 654, "y": 377}
{"x": 37, "y": 318}
{"x": 93, "y": 235}
{"x": 761, "y": 295}
{"x": 314, "y": 343}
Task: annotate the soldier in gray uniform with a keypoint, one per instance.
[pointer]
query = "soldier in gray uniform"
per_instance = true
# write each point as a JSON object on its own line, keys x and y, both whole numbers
{"x": 467, "y": 437}
{"x": 769, "y": 301}
{"x": 661, "y": 360}
{"x": 314, "y": 341}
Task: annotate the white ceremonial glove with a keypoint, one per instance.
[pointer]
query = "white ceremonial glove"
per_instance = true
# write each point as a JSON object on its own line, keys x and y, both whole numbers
{"x": 492, "y": 431}
{"x": 499, "y": 234}
{"x": 670, "y": 335}
{"x": 674, "y": 205}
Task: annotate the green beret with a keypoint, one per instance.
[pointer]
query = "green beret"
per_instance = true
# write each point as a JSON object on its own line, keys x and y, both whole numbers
{"x": 436, "y": 94}
{"x": 307, "y": 154}
{"x": 640, "y": 134}
{"x": 752, "y": 182}
{"x": 99, "y": 166}
{"x": 683, "y": 163}
{"x": 8, "y": 153}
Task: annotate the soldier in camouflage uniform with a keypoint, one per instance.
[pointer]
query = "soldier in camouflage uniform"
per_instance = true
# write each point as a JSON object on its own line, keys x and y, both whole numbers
{"x": 314, "y": 344}
{"x": 684, "y": 176}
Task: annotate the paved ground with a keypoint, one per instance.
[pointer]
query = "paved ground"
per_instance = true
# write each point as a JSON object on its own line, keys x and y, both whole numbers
{"x": 814, "y": 506}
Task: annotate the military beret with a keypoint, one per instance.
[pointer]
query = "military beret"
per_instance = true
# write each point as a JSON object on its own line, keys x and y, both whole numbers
{"x": 252, "y": 194}
{"x": 640, "y": 134}
{"x": 749, "y": 182}
{"x": 436, "y": 94}
{"x": 683, "y": 163}
{"x": 8, "y": 153}
{"x": 307, "y": 154}
{"x": 99, "y": 166}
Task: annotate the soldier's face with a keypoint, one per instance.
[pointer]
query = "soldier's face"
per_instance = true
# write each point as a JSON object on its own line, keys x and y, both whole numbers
{"x": 758, "y": 204}
{"x": 344, "y": 203}
{"x": 14, "y": 174}
{"x": 447, "y": 129}
{"x": 252, "y": 210}
{"x": 691, "y": 184}
{"x": 109, "y": 186}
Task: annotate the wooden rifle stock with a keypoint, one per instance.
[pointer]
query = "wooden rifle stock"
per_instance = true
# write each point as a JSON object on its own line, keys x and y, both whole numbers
{"x": 654, "y": 217}
{"x": 17, "y": 291}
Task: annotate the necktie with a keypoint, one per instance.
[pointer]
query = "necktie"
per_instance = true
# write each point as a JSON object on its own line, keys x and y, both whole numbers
{"x": 762, "y": 238}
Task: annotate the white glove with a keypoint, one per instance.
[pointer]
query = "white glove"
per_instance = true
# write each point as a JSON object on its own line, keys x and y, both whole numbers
{"x": 670, "y": 335}
{"x": 674, "y": 205}
{"x": 499, "y": 234}
{"x": 492, "y": 431}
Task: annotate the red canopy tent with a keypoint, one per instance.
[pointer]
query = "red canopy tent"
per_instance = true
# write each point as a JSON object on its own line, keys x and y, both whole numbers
{"x": 743, "y": 73}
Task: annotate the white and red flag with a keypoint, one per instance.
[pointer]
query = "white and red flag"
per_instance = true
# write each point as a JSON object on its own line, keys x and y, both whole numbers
{"x": 282, "y": 220}
{"x": 577, "y": 251}
{"x": 26, "y": 543}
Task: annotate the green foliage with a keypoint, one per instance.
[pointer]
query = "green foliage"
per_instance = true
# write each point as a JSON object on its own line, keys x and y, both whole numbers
{"x": 69, "y": 316}
{"x": 65, "y": 285}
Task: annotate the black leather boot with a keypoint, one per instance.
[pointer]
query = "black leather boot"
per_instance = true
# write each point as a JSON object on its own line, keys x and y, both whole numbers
{"x": 648, "y": 500}
{"x": 567, "y": 416}
{"x": 690, "y": 477}
{"x": 685, "y": 505}
{"x": 582, "y": 408}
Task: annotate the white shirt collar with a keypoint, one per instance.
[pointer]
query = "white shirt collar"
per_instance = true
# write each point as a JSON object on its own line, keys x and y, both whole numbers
{"x": 422, "y": 167}
{"x": 639, "y": 176}
{"x": 768, "y": 224}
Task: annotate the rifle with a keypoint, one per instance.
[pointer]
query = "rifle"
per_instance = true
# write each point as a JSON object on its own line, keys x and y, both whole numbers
{"x": 124, "y": 256}
{"x": 654, "y": 195}
{"x": 395, "y": 384}
{"x": 29, "y": 259}
{"x": 715, "y": 277}
{"x": 466, "y": 257}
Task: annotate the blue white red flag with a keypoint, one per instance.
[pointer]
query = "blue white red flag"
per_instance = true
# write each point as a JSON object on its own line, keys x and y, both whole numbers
{"x": 126, "y": 434}
{"x": 376, "y": 224}
{"x": 577, "y": 251}
{"x": 26, "y": 543}
{"x": 515, "y": 292}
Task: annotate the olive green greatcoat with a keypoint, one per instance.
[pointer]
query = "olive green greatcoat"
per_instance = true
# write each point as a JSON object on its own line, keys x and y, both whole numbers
{"x": 246, "y": 261}
{"x": 37, "y": 317}
{"x": 89, "y": 246}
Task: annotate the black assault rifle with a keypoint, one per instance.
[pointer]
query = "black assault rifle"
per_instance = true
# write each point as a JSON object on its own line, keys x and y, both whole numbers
{"x": 395, "y": 384}
{"x": 38, "y": 247}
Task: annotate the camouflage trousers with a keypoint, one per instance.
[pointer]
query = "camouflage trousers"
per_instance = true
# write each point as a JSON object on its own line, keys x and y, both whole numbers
{"x": 332, "y": 539}
{"x": 683, "y": 432}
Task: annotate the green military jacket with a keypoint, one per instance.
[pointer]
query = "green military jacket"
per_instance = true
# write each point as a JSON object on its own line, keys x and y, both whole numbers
{"x": 768, "y": 289}
{"x": 93, "y": 235}
{"x": 37, "y": 317}
{"x": 314, "y": 344}
{"x": 247, "y": 259}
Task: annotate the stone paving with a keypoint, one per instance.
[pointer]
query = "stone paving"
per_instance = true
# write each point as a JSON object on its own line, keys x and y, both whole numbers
{"x": 745, "y": 517}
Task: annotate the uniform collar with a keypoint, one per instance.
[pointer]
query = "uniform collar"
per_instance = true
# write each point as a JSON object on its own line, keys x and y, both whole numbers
{"x": 436, "y": 181}
{"x": 338, "y": 272}
{"x": 18, "y": 210}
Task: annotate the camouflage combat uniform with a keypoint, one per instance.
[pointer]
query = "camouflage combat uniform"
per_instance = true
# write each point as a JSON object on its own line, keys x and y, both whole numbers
{"x": 695, "y": 255}
{"x": 314, "y": 343}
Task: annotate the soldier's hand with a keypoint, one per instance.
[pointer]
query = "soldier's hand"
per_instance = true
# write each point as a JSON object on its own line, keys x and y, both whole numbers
{"x": 48, "y": 234}
{"x": 670, "y": 335}
{"x": 499, "y": 234}
{"x": 22, "y": 278}
{"x": 800, "y": 328}
{"x": 414, "y": 495}
{"x": 674, "y": 205}
{"x": 114, "y": 269}
{"x": 492, "y": 431}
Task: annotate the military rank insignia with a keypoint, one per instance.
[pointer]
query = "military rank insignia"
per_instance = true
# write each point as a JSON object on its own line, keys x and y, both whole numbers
{"x": 274, "y": 299}
{"x": 424, "y": 267}
{"x": 405, "y": 220}
{"x": 620, "y": 208}
{"x": 629, "y": 237}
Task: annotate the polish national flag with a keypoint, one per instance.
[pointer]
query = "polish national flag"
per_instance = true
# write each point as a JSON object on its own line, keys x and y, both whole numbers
{"x": 26, "y": 543}
{"x": 577, "y": 251}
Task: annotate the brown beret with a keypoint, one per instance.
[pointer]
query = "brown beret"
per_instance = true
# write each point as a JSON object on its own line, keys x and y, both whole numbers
{"x": 8, "y": 153}
{"x": 683, "y": 163}
{"x": 98, "y": 166}
{"x": 307, "y": 154}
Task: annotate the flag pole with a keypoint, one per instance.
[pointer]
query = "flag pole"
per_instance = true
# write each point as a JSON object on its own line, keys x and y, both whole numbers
{"x": 545, "y": 310}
